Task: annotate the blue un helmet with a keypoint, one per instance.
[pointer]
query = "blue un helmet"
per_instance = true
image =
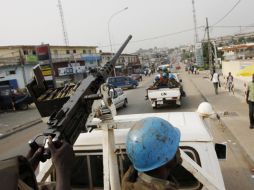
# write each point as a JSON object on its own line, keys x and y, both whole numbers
{"x": 165, "y": 75}
{"x": 151, "y": 143}
{"x": 171, "y": 76}
{"x": 164, "y": 69}
{"x": 157, "y": 78}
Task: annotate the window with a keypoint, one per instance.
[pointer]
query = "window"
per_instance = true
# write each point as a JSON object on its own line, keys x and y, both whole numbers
{"x": 67, "y": 51}
{"x": 25, "y": 52}
{"x": 120, "y": 79}
{"x": 74, "y": 51}
{"x": 33, "y": 52}
{"x": 55, "y": 52}
{"x": 12, "y": 72}
{"x": 84, "y": 51}
{"x": 88, "y": 170}
{"x": 89, "y": 51}
{"x": 111, "y": 80}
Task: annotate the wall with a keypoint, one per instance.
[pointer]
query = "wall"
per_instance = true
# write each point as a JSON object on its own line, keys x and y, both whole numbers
{"x": 18, "y": 75}
{"x": 235, "y": 66}
{"x": 10, "y": 52}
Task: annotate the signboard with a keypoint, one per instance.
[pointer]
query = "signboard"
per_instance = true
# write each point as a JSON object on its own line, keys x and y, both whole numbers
{"x": 31, "y": 58}
{"x": 71, "y": 70}
{"x": 46, "y": 70}
{"x": 43, "y": 52}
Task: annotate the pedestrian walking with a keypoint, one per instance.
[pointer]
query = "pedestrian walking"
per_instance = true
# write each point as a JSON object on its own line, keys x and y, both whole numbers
{"x": 230, "y": 83}
{"x": 250, "y": 101}
{"x": 195, "y": 70}
{"x": 216, "y": 81}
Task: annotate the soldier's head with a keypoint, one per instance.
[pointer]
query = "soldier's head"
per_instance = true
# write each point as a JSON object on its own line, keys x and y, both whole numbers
{"x": 153, "y": 144}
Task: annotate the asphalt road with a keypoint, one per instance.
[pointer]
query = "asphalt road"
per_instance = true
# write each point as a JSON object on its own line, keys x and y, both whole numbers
{"x": 236, "y": 170}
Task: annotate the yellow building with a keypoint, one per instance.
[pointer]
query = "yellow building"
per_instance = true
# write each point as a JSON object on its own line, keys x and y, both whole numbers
{"x": 16, "y": 62}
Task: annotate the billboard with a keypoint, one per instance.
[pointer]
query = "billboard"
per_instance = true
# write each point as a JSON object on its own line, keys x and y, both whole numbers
{"x": 43, "y": 52}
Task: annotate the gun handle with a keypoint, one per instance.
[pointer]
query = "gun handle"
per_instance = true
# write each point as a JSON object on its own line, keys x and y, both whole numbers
{"x": 34, "y": 146}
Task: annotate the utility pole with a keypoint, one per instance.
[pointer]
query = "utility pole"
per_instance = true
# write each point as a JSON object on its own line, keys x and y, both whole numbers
{"x": 197, "y": 46}
{"x": 211, "y": 65}
{"x": 65, "y": 35}
{"x": 195, "y": 22}
{"x": 22, "y": 64}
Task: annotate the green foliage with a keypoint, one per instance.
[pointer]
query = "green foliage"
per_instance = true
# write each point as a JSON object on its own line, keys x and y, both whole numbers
{"x": 187, "y": 55}
{"x": 206, "y": 54}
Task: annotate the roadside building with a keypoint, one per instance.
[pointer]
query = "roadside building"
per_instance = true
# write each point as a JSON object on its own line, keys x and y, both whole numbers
{"x": 241, "y": 51}
{"x": 17, "y": 62}
{"x": 126, "y": 64}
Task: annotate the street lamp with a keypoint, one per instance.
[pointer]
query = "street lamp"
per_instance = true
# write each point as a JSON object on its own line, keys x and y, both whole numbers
{"x": 110, "y": 43}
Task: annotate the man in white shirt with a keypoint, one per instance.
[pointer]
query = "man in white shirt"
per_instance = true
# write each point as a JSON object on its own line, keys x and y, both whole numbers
{"x": 216, "y": 81}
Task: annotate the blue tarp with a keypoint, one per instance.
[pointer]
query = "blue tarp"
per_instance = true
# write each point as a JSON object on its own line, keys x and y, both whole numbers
{"x": 91, "y": 58}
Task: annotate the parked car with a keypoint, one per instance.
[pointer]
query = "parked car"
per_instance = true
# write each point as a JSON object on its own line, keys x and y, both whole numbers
{"x": 122, "y": 82}
{"x": 10, "y": 99}
{"x": 119, "y": 98}
{"x": 137, "y": 77}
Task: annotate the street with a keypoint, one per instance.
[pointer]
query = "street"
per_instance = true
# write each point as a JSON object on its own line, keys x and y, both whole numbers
{"x": 236, "y": 169}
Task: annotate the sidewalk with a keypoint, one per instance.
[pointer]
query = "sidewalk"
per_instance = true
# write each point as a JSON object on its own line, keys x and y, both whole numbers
{"x": 239, "y": 85}
{"x": 236, "y": 118}
{"x": 13, "y": 121}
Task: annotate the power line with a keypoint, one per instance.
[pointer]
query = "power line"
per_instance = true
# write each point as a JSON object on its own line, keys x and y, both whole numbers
{"x": 227, "y": 13}
{"x": 167, "y": 35}
{"x": 233, "y": 26}
{"x": 157, "y": 37}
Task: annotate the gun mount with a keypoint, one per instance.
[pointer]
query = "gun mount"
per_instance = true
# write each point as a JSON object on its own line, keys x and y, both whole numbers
{"x": 68, "y": 122}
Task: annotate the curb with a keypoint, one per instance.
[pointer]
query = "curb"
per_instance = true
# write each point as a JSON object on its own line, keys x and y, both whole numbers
{"x": 245, "y": 152}
{"x": 20, "y": 128}
{"x": 223, "y": 123}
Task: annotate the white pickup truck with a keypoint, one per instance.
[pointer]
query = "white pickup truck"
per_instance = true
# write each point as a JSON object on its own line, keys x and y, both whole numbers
{"x": 164, "y": 94}
{"x": 95, "y": 168}
{"x": 101, "y": 158}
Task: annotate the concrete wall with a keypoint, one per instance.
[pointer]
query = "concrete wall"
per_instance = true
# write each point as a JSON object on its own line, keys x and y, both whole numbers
{"x": 235, "y": 66}
{"x": 18, "y": 74}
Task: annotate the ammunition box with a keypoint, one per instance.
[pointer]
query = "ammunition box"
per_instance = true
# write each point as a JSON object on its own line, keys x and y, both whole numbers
{"x": 46, "y": 106}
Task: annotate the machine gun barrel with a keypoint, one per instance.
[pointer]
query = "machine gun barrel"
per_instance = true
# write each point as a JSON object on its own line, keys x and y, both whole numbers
{"x": 70, "y": 120}
{"x": 108, "y": 68}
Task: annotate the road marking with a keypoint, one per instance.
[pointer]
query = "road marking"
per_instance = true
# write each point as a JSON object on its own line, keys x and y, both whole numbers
{"x": 1, "y": 134}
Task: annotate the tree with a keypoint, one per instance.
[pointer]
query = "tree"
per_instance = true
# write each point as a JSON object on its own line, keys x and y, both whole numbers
{"x": 241, "y": 40}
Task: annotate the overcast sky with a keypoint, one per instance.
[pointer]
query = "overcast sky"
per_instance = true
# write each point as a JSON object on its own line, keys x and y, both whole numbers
{"x": 35, "y": 21}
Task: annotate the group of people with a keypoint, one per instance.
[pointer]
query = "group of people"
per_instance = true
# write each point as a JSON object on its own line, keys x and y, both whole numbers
{"x": 193, "y": 70}
{"x": 215, "y": 78}
{"x": 164, "y": 79}
{"x": 230, "y": 87}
